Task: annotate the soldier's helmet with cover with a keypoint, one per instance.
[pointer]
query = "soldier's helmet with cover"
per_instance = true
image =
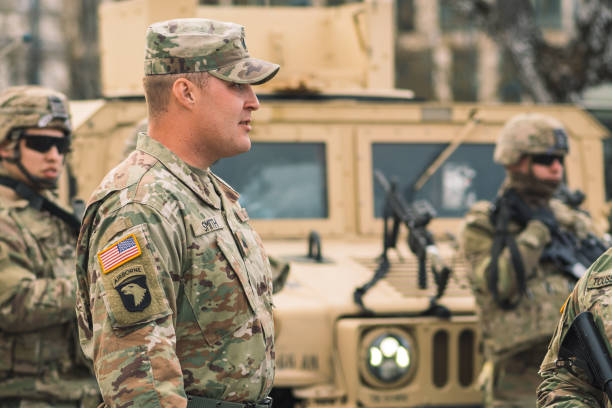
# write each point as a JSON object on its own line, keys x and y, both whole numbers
{"x": 528, "y": 134}
{"x": 23, "y": 107}
{"x": 29, "y": 107}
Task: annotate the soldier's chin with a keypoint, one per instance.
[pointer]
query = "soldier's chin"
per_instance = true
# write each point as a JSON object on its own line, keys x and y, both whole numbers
{"x": 48, "y": 182}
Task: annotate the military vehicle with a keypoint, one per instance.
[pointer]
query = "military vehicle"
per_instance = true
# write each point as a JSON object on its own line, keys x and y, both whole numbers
{"x": 351, "y": 331}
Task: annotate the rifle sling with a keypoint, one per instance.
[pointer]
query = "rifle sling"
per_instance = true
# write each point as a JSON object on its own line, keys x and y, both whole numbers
{"x": 503, "y": 239}
{"x": 39, "y": 202}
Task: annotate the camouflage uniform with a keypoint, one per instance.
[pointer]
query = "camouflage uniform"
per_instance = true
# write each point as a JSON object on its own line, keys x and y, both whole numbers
{"x": 515, "y": 338}
{"x": 174, "y": 293}
{"x": 562, "y": 387}
{"x": 39, "y": 353}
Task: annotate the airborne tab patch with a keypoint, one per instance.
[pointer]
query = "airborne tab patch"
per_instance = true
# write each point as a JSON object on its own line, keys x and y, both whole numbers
{"x": 119, "y": 253}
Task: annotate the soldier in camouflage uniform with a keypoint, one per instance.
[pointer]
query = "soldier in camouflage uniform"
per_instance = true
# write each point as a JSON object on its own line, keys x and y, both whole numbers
{"x": 280, "y": 268}
{"x": 39, "y": 352}
{"x": 174, "y": 296}
{"x": 566, "y": 385}
{"x": 518, "y": 296}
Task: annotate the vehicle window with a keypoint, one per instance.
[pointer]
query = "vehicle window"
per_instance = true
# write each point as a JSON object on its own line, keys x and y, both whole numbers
{"x": 279, "y": 180}
{"x": 467, "y": 176}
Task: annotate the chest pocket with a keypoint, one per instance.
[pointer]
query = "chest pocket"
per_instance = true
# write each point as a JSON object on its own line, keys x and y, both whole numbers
{"x": 217, "y": 285}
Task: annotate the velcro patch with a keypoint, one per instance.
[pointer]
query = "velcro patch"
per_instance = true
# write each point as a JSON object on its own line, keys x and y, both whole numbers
{"x": 560, "y": 140}
{"x": 133, "y": 292}
{"x": 211, "y": 224}
{"x": 119, "y": 253}
{"x": 600, "y": 281}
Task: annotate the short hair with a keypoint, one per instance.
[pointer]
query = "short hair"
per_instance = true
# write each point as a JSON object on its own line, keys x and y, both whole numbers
{"x": 157, "y": 89}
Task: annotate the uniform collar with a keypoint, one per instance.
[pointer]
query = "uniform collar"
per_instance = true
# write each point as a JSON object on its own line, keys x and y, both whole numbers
{"x": 197, "y": 181}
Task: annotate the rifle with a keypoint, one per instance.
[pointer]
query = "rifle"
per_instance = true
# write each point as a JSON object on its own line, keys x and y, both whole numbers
{"x": 571, "y": 255}
{"x": 420, "y": 241}
{"x": 585, "y": 343}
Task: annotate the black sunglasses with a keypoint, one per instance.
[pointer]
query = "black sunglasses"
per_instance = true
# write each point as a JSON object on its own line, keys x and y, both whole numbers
{"x": 547, "y": 159}
{"x": 43, "y": 144}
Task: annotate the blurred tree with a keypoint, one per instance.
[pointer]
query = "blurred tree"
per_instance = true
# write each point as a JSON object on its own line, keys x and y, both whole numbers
{"x": 81, "y": 33}
{"x": 549, "y": 73}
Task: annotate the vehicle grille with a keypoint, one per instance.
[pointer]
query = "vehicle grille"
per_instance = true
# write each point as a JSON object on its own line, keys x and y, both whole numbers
{"x": 465, "y": 357}
{"x": 403, "y": 276}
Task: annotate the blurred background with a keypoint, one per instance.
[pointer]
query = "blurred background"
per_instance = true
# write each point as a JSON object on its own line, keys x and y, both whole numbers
{"x": 444, "y": 50}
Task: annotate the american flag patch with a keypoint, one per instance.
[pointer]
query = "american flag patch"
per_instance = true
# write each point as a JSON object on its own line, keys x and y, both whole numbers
{"x": 119, "y": 253}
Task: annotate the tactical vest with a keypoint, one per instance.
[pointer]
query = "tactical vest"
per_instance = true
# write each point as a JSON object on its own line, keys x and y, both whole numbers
{"x": 28, "y": 356}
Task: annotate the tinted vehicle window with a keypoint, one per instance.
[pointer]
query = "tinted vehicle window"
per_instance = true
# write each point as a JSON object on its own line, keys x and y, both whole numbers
{"x": 467, "y": 176}
{"x": 279, "y": 180}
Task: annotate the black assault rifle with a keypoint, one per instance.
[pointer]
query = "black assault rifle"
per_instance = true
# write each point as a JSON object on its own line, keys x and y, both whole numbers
{"x": 570, "y": 254}
{"x": 585, "y": 343}
{"x": 420, "y": 241}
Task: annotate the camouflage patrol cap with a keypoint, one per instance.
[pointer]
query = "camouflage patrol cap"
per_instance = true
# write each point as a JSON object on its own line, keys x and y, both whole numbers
{"x": 530, "y": 133}
{"x": 33, "y": 107}
{"x": 202, "y": 45}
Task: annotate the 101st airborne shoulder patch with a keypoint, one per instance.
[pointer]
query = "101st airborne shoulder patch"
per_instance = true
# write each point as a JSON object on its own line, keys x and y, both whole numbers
{"x": 133, "y": 291}
{"x": 131, "y": 284}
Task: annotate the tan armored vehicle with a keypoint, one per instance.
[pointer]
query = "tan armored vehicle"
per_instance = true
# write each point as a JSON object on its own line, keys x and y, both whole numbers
{"x": 350, "y": 332}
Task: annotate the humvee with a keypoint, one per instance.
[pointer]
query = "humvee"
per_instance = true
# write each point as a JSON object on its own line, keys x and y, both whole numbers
{"x": 349, "y": 333}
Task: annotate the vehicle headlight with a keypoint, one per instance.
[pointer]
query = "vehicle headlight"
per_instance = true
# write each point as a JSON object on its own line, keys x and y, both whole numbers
{"x": 388, "y": 357}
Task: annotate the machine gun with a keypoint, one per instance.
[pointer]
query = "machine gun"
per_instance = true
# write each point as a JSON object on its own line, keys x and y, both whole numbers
{"x": 571, "y": 255}
{"x": 420, "y": 241}
{"x": 585, "y": 343}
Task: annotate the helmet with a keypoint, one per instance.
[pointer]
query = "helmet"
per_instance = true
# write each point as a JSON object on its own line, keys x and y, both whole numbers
{"x": 530, "y": 133}
{"x": 32, "y": 107}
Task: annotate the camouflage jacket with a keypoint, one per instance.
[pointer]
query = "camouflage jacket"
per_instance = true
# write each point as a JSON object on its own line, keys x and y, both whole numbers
{"x": 38, "y": 347}
{"x": 561, "y": 387}
{"x": 174, "y": 292}
{"x": 534, "y": 319}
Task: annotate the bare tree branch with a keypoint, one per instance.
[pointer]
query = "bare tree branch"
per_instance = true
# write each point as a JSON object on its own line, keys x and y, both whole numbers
{"x": 549, "y": 73}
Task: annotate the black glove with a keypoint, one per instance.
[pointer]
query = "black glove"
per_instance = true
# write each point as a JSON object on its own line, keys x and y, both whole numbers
{"x": 545, "y": 215}
{"x": 518, "y": 211}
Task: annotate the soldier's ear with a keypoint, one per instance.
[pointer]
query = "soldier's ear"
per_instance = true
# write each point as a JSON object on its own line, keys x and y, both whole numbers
{"x": 183, "y": 91}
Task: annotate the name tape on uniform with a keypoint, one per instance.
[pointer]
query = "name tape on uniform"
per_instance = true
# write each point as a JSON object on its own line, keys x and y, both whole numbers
{"x": 119, "y": 253}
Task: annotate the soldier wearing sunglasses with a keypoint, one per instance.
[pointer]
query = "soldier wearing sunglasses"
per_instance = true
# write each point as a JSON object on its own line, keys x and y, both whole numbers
{"x": 40, "y": 360}
{"x": 518, "y": 291}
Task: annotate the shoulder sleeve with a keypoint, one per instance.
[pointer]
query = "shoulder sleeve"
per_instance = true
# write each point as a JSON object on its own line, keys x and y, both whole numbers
{"x": 561, "y": 388}
{"x": 133, "y": 255}
{"x": 477, "y": 238}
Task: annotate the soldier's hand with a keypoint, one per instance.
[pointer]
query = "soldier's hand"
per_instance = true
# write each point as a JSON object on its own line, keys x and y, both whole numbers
{"x": 519, "y": 211}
